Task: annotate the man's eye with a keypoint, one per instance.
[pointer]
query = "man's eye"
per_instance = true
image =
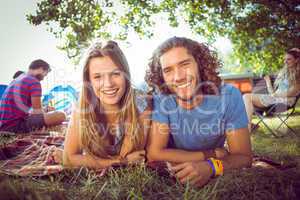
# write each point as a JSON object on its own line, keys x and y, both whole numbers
{"x": 186, "y": 64}
{"x": 116, "y": 73}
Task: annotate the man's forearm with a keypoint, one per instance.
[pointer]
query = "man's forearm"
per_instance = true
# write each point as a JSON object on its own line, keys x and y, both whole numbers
{"x": 37, "y": 111}
{"x": 178, "y": 156}
{"x": 236, "y": 161}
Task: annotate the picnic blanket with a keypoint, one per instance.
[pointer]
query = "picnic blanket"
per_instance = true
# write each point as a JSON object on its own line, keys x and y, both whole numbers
{"x": 31, "y": 155}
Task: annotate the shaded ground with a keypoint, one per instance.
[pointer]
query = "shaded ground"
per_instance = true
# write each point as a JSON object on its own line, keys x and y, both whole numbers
{"x": 141, "y": 183}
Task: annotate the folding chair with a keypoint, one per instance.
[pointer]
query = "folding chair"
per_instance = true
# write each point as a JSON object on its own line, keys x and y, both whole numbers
{"x": 276, "y": 110}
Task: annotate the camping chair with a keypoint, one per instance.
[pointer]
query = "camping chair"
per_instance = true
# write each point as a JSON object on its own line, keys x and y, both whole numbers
{"x": 276, "y": 110}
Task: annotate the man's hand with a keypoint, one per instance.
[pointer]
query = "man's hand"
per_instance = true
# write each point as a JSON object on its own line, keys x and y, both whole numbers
{"x": 136, "y": 157}
{"x": 36, "y": 111}
{"x": 49, "y": 109}
{"x": 221, "y": 153}
{"x": 196, "y": 173}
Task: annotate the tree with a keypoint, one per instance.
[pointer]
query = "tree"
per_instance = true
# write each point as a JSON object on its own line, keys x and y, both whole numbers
{"x": 260, "y": 30}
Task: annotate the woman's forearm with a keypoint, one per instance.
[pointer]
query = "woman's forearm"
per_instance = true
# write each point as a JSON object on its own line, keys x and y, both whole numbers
{"x": 292, "y": 92}
{"x": 270, "y": 87}
{"x": 79, "y": 160}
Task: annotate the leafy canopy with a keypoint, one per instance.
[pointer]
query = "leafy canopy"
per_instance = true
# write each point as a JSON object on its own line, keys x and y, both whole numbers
{"x": 260, "y": 30}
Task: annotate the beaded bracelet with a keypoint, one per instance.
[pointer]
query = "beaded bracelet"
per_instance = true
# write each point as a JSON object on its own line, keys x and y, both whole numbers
{"x": 218, "y": 166}
{"x": 212, "y": 167}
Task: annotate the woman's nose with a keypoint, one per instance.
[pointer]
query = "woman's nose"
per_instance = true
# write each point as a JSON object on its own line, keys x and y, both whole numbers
{"x": 107, "y": 81}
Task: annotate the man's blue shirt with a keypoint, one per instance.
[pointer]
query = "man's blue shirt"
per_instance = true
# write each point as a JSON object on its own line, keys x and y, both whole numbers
{"x": 204, "y": 126}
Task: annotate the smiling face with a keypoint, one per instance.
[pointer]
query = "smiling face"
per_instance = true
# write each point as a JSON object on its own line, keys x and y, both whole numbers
{"x": 108, "y": 81}
{"x": 180, "y": 72}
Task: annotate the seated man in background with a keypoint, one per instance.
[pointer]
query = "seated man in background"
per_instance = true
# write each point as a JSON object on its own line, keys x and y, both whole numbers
{"x": 194, "y": 114}
{"x": 20, "y": 106}
{"x": 17, "y": 74}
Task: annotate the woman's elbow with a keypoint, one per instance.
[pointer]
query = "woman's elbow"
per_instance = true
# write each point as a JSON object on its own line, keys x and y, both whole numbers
{"x": 153, "y": 155}
{"x": 67, "y": 160}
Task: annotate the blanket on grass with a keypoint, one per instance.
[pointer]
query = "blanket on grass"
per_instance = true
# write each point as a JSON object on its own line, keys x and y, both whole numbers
{"x": 32, "y": 155}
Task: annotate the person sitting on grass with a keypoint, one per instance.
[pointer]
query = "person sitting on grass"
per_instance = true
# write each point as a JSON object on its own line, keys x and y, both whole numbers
{"x": 109, "y": 127}
{"x": 17, "y": 74}
{"x": 286, "y": 86}
{"x": 194, "y": 114}
{"x": 20, "y": 106}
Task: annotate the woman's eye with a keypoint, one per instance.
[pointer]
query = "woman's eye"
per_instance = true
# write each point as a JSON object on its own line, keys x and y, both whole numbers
{"x": 98, "y": 77}
{"x": 166, "y": 71}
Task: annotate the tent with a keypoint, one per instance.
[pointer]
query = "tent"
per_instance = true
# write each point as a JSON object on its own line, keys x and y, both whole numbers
{"x": 61, "y": 97}
{"x": 2, "y": 89}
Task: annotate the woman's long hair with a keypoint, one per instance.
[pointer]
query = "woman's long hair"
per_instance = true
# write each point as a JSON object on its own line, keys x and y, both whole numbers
{"x": 93, "y": 127}
{"x": 293, "y": 73}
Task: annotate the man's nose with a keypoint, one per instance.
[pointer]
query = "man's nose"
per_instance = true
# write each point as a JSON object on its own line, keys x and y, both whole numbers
{"x": 180, "y": 74}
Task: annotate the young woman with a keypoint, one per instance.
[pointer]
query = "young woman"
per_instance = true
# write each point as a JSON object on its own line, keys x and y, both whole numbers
{"x": 111, "y": 122}
{"x": 286, "y": 86}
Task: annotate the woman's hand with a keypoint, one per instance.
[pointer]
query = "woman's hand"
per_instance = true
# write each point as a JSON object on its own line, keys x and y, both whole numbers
{"x": 221, "y": 153}
{"x": 136, "y": 157}
{"x": 58, "y": 156}
{"x": 267, "y": 78}
{"x": 269, "y": 84}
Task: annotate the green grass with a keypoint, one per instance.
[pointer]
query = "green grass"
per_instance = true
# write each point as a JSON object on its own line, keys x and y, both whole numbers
{"x": 139, "y": 182}
{"x": 264, "y": 142}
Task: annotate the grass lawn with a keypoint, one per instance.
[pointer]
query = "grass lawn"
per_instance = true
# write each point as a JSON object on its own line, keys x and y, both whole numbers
{"x": 138, "y": 182}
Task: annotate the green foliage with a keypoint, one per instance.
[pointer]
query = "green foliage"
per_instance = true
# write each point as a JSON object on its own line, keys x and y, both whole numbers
{"x": 260, "y": 30}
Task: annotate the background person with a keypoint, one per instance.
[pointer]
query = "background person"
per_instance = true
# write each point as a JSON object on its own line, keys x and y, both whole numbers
{"x": 17, "y": 74}
{"x": 284, "y": 90}
{"x": 20, "y": 106}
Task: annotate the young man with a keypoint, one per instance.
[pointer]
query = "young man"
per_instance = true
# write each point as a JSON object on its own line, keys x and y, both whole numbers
{"x": 20, "y": 106}
{"x": 194, "y": 114}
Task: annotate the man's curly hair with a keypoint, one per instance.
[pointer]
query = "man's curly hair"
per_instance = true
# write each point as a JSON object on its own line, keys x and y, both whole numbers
{"x": 207, "y": 61}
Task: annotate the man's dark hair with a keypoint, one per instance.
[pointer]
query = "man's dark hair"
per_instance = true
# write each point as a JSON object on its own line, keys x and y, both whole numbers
{"x": 36, "y": 64}
{"x": 207, "y": 61}
{"x": 17, "y": 74}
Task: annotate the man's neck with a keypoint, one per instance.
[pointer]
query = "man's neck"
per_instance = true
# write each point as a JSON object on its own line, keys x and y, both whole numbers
{"x": 190, "y": 104}
{"x": 31, "y": 73}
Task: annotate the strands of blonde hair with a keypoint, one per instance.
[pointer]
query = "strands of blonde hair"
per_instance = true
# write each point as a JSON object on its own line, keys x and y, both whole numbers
{"x": 92, "y": 138}
{"x": 293, "y": 74}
